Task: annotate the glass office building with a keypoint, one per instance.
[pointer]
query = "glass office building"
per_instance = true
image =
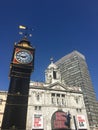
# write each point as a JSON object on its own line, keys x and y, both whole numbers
{"x": 74, "y": 72}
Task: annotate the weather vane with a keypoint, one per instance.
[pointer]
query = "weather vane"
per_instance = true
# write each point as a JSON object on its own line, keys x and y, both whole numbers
{"x": 25, "y": 31}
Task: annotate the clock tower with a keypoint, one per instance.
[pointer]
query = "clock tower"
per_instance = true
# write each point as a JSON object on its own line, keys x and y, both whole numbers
{"x": 22, "y": 64}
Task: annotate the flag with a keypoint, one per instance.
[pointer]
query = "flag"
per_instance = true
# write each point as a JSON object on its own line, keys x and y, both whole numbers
{"x": 22, "y": 27}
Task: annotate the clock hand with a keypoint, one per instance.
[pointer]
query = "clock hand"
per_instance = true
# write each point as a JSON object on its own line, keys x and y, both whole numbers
{"x": 23, "y": 56}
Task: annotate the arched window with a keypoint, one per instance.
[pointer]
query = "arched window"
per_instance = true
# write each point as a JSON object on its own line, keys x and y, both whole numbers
{"x": 54, "y": 74}
{"x": 60, "y": 120}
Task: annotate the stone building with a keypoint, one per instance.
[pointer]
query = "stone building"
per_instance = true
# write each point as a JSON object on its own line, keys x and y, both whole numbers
{"x": 53, "y": 105}
{"x": 3, "y": 96}
{"x": 51, "y": 102}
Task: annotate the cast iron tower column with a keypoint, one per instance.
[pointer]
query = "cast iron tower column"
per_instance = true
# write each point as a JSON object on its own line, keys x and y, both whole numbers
{"x": 22, "y": 64}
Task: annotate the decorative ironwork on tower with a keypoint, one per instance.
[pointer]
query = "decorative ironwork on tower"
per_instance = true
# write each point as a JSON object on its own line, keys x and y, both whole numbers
{"x": 21, "y": 67}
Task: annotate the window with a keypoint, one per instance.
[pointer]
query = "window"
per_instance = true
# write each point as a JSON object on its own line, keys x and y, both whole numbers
{"x": 0, "y": 101}
{"x": 38, "y": 108}
{"x": 76, "y": 100}
{"x": 58, "y": 99}
{"x": 53, "y": 94}
{"x": 78, "y": 109}
{"x": 63, "y": 95}
{"x": 54, "y": 74}
{"x": 38, "y": 97}
{"x": 53, "y": 101}
{"x": 35, "y": 107}
{"x": 63, "y": 101}
{"x": 58, "y": 95}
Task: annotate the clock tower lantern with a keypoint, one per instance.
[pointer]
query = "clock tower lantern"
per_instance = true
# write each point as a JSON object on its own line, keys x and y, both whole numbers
{"x": 22, "y": 64}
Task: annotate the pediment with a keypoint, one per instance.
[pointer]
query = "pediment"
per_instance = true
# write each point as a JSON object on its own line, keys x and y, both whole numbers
{"x": 57, "y": 86}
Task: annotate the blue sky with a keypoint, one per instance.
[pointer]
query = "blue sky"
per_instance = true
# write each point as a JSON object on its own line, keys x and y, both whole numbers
{"x": 60, "y": 26}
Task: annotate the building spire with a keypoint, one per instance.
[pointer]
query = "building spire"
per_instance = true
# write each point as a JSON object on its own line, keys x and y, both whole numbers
{"x": 51, "y": 59}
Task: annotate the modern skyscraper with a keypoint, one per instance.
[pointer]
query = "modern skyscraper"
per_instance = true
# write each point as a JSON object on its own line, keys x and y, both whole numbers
{"x": 74, "y": 71}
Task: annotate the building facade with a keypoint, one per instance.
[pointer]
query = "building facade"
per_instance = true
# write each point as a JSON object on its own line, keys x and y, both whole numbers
{"x": 3, "y": 96}
{"x": 51, "y": 102}
{"x": 66, "y": 100}
{"x": 74, "y": 71}
{"x": 53, "y": 105}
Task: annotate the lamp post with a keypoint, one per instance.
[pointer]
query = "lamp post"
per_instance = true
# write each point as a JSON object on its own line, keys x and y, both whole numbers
{"x": 75, "y": 123}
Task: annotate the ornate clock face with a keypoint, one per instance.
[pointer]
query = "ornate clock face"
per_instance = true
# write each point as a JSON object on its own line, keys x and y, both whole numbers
{"x": 24, "y": 56}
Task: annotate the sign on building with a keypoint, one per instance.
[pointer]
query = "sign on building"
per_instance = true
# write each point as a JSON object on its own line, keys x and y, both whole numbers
{"x": 81, "y": 122}
{"x": 38, "y": 121}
